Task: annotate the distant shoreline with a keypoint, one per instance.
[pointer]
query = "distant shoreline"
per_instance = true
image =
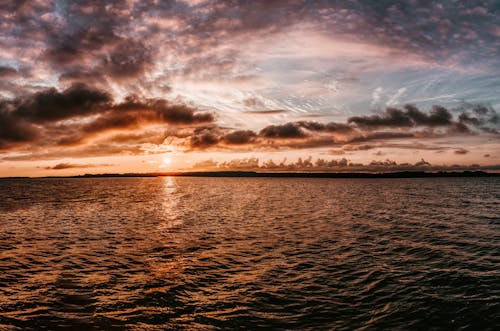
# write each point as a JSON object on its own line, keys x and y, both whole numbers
{"x": 400, "y": 174}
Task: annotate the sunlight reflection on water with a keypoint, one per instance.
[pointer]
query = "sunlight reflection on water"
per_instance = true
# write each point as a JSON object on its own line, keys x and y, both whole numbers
{"x": 225, "y": 253}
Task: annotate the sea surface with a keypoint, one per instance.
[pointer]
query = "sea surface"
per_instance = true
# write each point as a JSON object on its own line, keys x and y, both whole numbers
{"x": 187, "y": 253}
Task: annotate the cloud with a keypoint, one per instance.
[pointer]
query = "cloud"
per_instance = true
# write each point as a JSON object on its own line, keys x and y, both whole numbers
{"x": 422, "y": 162}
{"x": 130, "y": 58}
{"x": 461, "y": 151}
{"x": 266, "y": 112}
{"x": 287, "y": 131}
{"x": 63, "y": 166}
{"x": 204, "y": 137}
{"x": 127, "y": 43}
{"x": 68, "y": 117}
{"x": 253, "y": 102}
{"x": 172, "y": 113}
{"x": 383, "y": 135}
{"x": 392, "y": 117}
{"x": 135, "y": 113}
{"x": 81, "y": 40}
{"x": 8, "y": 72}
{"x": 52, "y": 105}
{"x": 394, "y": 124}
{"x": 81, "y": 115}
{"x": 104, "y": 148}
{"x": 411, "y": 116}
{"x": 438, "y": 116}
{"x": 239, "y": 137}
{"x": 93, "y": 35}
{"x": 325, "y": 127}
{"x": 383, "y": 143}
{"x": 302, "y": 129}
{"x": 479, "y": 116}
{"x": 399, "y": 124}
{"x": 309, "y": 164}
{"x": 14, "y": 130}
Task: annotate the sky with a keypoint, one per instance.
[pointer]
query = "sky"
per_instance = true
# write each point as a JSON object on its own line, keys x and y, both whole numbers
{"x": 147, "y": 86}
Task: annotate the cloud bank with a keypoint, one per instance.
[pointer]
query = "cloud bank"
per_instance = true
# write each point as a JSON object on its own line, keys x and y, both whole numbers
{"x": 80, "y": 115}
{"x": 309, "y": 164}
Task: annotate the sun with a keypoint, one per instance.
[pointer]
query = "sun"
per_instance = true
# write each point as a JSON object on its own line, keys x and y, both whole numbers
{"x": 166, "y": 161}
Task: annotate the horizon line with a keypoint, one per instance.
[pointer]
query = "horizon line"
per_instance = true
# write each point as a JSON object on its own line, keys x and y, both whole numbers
{"x": 284, "y": 174}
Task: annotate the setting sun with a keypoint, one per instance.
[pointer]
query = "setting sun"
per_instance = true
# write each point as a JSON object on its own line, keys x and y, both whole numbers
{"x": 165, "y": 161}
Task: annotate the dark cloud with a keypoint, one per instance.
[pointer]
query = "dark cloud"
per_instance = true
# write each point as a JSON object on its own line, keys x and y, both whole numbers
{"x": 13, "y": 130}
{"x": 301, "y": 129}
{"x": 325, "y": 127}
{"x": 284, "y": 131}
{"x": 467, "y": 119}
{"x": 434, "y": 30}
{"x": 461, "y": 151}
{"x": 8, "y": 72}
{"x": 472, "y": 118}
{"x": 204, "y": 137}
{"x": 481, "y": 117}
{"x": 300, "y": 134}
{"x": 422, "y": 162}
{"x": 410, "y": 116}
{"x": 88, "y": 29}
{"x": 459, "y": 128}
{"x": 266, "y": 112}
{"x": 128, "y": 59}
{"x": 179, "y": 114}
{"x": 135, "y": 113}
{"x": 70, "y": 116}
{"x": 239, "y": 137}
{"x": 62, "y": 166}
{"x": 409, "y": 123}
{"x": 51, "y": 105}
{"x": 118, "y": 120}
{"x": 76, "y": 75}
{"x": 391, "y": 117}
{"x": 482, "y": 109}
{"x": 438, "y": 116}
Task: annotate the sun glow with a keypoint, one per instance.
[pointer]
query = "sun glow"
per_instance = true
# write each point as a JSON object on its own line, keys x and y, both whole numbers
{"x": 166, "y": 161}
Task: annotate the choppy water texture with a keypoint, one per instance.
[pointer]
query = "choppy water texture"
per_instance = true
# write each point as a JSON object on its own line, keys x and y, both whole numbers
{"x": 250, "y": 253}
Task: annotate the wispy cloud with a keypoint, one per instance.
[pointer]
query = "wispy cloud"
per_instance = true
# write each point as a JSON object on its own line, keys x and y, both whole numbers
{"x": 63, "y": 166}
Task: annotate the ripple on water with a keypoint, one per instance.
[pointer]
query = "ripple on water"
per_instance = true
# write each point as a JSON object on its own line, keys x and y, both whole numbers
{"x": 251, "y": 253}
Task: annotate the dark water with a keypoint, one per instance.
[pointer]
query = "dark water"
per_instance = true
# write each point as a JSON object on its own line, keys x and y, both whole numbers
{"x": 250, "y": 253}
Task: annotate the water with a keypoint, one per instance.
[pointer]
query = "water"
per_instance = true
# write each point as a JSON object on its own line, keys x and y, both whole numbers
{"x": 250, "y": 253}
